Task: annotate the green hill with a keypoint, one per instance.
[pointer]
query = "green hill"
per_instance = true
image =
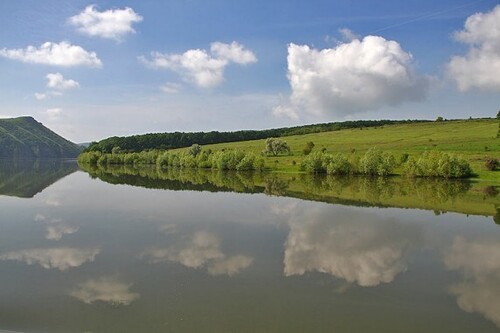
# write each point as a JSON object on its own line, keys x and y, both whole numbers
{"x": 26, "y": 138}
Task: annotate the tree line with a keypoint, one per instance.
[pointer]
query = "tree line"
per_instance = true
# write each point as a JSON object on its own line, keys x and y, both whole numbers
{"x": 172, "y": 140}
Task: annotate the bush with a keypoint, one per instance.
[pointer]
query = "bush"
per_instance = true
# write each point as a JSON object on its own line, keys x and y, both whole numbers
{"x": 338, "y": 165}
{"x": 316, "y": 162}
{"x": 375, "y": 162}
{"x": 491, "y": 164}
{"x": 437, "y": 164}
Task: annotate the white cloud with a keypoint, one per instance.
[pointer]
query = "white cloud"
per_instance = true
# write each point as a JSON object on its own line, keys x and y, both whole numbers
{"x": 348, "y": 34}
{"x": 170, "y": 88}
{"x": 480, "y": 67}
{"x": 61, "y": 258}
{"x": 111, "y": 24}
{"x": 233, "y": 52}
{"x": 40, "y": 96}
{"x": 106, "y": 289}
{"x": 57, "y": 81}
{"x": 357, "y": 76}
{"x": 53, "y": 113}
{"x": 54, "y": 54}
{"x": 479, "y": 263}
{"x": 198, "y": 66}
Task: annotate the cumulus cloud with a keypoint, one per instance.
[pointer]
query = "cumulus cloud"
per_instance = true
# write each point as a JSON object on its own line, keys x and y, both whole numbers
{"x": 106, "y": 289}
{"x": 61, "y": 258}
{"x": 480, "y": 67}
{"x": 111, "y": 24}
{"x": 233, "y": 52}
{"x": 57, "y": 81}
{"x": 200, "y": 67}
{"x": 347, "y": 245}
{"x": 356, "y": 76}
{"x": 55, "y": 54}
{"x": 202, "y": 249}
{"x": 479, "y": 263}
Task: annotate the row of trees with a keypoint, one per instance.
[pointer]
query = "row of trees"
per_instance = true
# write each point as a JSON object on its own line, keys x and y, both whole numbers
{"x": 194, "y": 157}
{"x": 376, "y": 162}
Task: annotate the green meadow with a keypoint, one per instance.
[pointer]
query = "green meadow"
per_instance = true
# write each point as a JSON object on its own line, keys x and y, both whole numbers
{"x": 474, "y": 140}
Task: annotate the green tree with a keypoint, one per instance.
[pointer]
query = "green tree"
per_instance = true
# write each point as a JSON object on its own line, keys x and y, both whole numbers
{"x": 308, "y": 148}
{"x": 194, "y": 150}
{"x": 439, "y": 119}
{"x": 276, "y": 146}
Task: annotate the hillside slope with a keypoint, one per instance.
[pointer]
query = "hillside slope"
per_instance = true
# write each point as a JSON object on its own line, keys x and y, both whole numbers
{"x": 24, "y": 137}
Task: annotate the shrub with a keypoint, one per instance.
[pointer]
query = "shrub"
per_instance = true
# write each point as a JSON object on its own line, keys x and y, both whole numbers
{"x": 315, "y": 162}
{"x": 491, "y": 164}
{"x": 338, "y": 165}
{"x": 437, "y": 164}
{"x": 375, "y": 162}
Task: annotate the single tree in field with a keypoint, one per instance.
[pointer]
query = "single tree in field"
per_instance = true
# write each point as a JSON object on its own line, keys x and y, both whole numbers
{"x": 439, "y": 118}
{"x": 308, "y": 148}
{"x": 276, "y": 146}
{"x": 194, "y": 150}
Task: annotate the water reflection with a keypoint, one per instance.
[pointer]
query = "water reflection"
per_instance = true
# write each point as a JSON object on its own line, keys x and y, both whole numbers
{"x": 197, "y": 260}
{"x": 439, "y": 195}
{"x": 105, "y": 289}
{"x": 478, "y": 261}
{"x": 201, "y": 249}
{"x": 56, "y": 228}
{"x": 367, "y": 250}
{"x": 61, "y": 258}
{"x": 25, "y": 178}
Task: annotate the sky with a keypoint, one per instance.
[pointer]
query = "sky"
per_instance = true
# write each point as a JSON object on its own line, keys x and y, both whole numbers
{"x": 91, "y": 70}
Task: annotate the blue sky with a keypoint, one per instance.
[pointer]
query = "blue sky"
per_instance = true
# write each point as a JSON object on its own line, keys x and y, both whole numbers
{"x": 89, "y": 70}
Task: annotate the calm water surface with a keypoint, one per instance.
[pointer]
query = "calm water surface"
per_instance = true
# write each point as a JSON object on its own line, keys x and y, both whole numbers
{"x": 84, "y": 255}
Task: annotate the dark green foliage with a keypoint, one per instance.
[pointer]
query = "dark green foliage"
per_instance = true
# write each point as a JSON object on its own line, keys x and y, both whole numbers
{"x": 24, "y": 137}
{"x": 308, "y": 148}
{"x": 437, "y": 164}
{"x": 275, "y": 147}
{"x": 439, "y": 119}
{"x": 491, "y": 164}
{"x": 173, "y": 140}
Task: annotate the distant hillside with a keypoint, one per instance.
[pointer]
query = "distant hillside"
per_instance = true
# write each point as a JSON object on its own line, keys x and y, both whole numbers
{"x": 137, "y": 143}
{"x": 24, "y": 137}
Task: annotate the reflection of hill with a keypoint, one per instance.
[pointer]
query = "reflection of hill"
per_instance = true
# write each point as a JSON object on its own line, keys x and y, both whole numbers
{"x": 25, "y": 178}
{"x": 438, "y": 195}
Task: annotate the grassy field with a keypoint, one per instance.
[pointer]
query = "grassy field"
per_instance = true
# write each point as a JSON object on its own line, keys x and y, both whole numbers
{"x": 474, "y": 140}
